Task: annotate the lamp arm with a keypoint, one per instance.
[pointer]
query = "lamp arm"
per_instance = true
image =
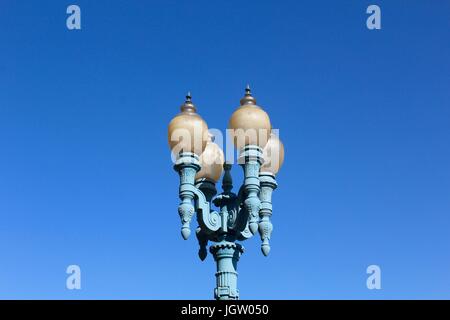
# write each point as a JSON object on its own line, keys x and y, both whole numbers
{"x": 208, "y": 219}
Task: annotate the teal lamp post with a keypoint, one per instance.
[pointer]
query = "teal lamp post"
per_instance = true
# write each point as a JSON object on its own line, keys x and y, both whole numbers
{"x": 200, "y": 164}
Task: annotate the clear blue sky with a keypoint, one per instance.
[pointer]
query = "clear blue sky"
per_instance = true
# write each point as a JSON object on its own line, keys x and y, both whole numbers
{"x": 85, "y": 170}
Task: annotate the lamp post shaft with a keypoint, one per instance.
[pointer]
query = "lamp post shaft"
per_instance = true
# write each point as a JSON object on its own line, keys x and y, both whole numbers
{"x": 226, "y": 254}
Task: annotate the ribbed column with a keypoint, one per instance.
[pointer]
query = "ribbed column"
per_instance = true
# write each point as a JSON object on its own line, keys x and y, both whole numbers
{"x": 226, "y": 254}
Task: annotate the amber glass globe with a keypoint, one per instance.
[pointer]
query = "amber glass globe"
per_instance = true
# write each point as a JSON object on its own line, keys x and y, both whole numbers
{"x": 211, "y": 162}
{"x": 187, "y": 131}
{"x": 250, "y": 124}
{"x": 273, "y": 154}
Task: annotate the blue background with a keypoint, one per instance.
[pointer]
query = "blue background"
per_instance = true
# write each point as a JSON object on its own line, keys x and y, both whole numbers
{"x": 85, "y": 170}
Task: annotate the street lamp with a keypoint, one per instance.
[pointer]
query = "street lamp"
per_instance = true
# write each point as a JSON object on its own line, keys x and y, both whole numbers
{"x": 200, "y": 163}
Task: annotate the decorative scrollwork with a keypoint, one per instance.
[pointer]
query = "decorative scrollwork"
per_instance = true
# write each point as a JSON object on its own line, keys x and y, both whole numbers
{"x": 214, "y": 218}
{"x": 208, "y": 220}
{"x": 244, "y": 234}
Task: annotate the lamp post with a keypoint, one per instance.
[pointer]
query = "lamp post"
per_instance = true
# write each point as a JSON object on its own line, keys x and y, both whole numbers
{"x": 200, "y": 163}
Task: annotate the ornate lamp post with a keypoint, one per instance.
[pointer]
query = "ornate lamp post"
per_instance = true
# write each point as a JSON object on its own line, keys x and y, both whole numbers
{"x": 200, "y": 163}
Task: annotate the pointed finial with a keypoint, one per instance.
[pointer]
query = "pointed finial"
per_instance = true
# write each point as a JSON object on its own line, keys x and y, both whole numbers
{"x": 188, "y": 106}
{"x": 248, "y": 98}
{"x": 265, "y": 248}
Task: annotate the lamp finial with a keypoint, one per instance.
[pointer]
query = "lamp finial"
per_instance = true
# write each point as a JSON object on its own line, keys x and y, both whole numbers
{"x": 188, "y": 106}
{"x": 248, "y": 98}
